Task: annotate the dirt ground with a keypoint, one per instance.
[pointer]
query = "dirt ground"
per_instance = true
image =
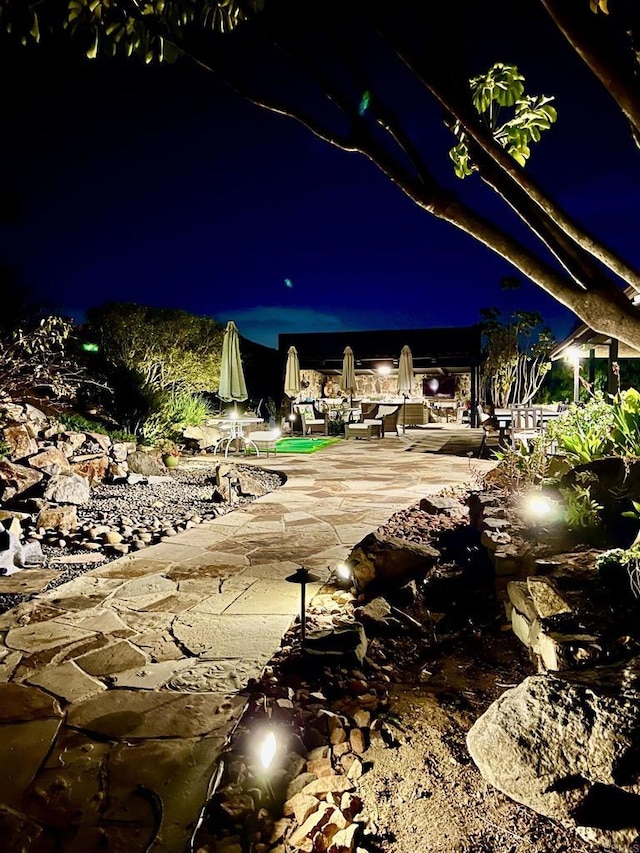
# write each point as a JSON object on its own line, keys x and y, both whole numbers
{"x": 425, "y": 793}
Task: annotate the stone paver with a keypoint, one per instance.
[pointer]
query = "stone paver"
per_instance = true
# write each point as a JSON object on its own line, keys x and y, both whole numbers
{"x": 161, "y": 643}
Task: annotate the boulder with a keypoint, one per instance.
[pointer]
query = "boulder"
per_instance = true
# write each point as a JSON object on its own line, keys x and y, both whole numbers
{"x": 389, "y": 560}
{"x": 58, "y": 517}
{"x": 143, "y": 463}
{"x": 568, "y": 749}
{"x": 348, "y": 643}
{"x": 19, "y": 442}
{"x": 68, "y": 489}
{"x": 203, "y": 436}
{"x": 51, "y": 461}
{"x": 375, "y": 613}
{"x": 93, "y": 470}
{"x": 16, "y": 479}
{"x": 120, "y": 450}
{"x": 15, "y": 555}
{"x": 437, "y": 505}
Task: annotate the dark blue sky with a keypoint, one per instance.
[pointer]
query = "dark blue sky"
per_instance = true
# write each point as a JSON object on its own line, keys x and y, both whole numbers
{"x": 158, "y": 186}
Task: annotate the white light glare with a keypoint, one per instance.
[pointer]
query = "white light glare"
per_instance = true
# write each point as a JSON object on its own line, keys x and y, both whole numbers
{"x": 292, "y": 417}
{"x": 573, "y": 354}
{"x": 384, "y": 370}
{"x": 538, "y": 505}
{"x": 268, "y": 750}
{"x": 343, "y": 572}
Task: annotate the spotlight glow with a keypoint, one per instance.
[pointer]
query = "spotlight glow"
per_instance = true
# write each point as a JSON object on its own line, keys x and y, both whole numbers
{"x": 573, "y": 354}
{"x": 539, "y": 506}
{"x": 268, "y": 750}
{"x": 384, "y": 370}
{"x": 343, "y": 572}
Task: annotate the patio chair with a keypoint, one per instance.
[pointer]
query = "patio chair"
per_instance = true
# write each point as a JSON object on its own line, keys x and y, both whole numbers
{"x": 389, "y": 416}
{"x": 264, "y": 441}
{"x": 312, "y": 422}
{"x": 526, "y": 423}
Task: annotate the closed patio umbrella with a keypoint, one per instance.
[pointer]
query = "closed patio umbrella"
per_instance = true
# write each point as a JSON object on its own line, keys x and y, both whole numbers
{"x": 348, "y": 380}
{"x": 232, "y": 384}
{"x": 292, "y": 373}
{"x": 405, "y": 381}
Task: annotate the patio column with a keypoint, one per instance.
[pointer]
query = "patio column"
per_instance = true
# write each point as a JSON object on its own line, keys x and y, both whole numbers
{"x": 612, "y": 379}
{"x": 592, "y": 368}
{"x": 473, "y": 414}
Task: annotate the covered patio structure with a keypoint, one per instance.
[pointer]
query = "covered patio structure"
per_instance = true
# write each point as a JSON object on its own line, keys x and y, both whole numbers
{"x": 585, "y": 343}
{"x": 446, "y": 364}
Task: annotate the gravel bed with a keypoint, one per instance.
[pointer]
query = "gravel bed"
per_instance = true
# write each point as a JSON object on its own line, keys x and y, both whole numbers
{"x": 160, "y": 508}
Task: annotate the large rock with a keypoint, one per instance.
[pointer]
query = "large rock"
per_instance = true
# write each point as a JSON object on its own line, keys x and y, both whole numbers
{"x": 140, "y": 462}
{"x": 203, "y": 436}
{"x": 19, "y": 442}
{"x": 16, "y": 479}
{"x": 93, "y": 470}
{"x": 387, "y": 559}
{"x": 58, "y": 517}
{"x": 68, "y": 489}
{"x": 569, "y": 750}
{"x": 51, "y": 460}
{"x": 15, "y": 555}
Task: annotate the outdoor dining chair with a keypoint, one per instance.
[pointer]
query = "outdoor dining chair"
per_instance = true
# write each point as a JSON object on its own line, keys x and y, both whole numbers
{"x": 526, "y": 423}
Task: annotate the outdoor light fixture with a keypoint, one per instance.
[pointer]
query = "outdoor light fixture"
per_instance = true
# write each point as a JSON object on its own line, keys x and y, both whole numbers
{"x": 384, "y": 369}
{"x": 302, "y": 576}
{"x": 343, "y": 572}
{"x": 268, "y": 747}
{"x": 573, "y": 355}
{"x": 538, "y": 509}
{"x": 539, "y": 506}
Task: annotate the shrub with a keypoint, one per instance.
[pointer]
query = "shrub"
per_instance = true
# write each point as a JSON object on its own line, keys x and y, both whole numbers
{"x": 78, "y": 423}
{"x": 583, "y": 433}
{"x": 621, "y": 565}
{"x": 524, "y": 465}
{"x": 177, "y": 411}
{"x": 626, "y": 423}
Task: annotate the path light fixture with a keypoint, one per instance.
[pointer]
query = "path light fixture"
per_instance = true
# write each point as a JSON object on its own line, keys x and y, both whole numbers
{"x": 302, "y": 576}
{"x": 342, "y": 576}
{"x": 232, "y": 481}
{"x": 538, "y": 509}
{"x": 573, "y": 355}
{"x": 265, "y": 749}
{"x": 268, "y": 748}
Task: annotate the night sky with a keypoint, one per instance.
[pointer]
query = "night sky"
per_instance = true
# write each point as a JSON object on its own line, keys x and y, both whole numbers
{"x": 156, "y": 185}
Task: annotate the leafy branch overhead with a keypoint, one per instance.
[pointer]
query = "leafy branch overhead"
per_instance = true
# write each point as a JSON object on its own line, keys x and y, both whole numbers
{"x": 503, "y": 86}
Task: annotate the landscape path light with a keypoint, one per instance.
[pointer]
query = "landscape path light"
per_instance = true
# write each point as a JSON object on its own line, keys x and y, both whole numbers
{"x": 537, "y": 509}
{"x": 303, "y": 576}
{"x": 343, "y": 576}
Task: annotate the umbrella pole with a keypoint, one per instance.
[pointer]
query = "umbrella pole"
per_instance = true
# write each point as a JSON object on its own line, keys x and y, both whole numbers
{"x": 404, "y": 415}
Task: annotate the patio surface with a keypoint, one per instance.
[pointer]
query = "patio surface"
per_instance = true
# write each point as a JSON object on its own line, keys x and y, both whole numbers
{"x": 119, "y": 688}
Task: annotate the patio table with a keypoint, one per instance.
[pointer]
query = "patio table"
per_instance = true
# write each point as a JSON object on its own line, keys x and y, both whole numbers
{"x": 235, "y": 425}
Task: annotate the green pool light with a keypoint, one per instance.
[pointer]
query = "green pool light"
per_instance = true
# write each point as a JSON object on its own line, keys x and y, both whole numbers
{"x": 90, "y": 347}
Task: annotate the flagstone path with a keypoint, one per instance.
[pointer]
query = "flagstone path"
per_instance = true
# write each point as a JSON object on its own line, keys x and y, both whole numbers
{"x": 119, "y": 688}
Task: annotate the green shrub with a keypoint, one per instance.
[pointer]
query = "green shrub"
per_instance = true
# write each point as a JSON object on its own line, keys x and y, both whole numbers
{"x": 78, "y": 423}
{"x": 581, "y": 510}
{"x": 626, "y": 423}
{"x": 176, "y": 411}
{"x": 618, "y": 561}
{"x": 524, "y": 465}
{"x": 583, "y": 433}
